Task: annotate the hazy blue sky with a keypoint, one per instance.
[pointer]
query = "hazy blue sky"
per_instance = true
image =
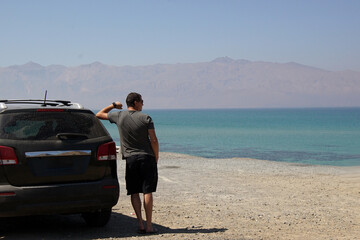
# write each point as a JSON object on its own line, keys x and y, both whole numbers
{"x": 319, "y": 33}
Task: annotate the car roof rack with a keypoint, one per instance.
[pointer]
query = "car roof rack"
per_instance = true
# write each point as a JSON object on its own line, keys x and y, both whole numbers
{"x": 44, "y": 103}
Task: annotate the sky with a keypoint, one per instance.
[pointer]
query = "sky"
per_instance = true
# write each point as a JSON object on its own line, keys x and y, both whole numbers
{"x": 319, "y": 33}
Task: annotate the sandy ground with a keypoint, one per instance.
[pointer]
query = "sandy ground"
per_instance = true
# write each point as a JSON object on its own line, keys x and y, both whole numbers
{"x": 225, "y": 199}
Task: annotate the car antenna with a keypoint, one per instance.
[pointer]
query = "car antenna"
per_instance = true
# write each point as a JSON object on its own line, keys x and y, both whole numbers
{"x": 45, "y": 98}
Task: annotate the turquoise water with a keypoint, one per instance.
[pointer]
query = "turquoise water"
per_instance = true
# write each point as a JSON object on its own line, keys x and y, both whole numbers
{"x": 329, "y": 136}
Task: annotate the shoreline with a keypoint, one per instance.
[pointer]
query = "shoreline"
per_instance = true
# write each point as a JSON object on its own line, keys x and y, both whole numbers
{"x": 172, "y": 155}
{"x": 245, "y": 158}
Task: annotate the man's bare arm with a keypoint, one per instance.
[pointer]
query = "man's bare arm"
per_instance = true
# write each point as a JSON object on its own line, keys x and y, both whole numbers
{"x": 103, "y": 113}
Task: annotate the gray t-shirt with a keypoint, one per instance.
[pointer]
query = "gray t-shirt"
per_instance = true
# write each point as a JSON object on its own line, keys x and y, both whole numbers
{"x": 133, "y": 130}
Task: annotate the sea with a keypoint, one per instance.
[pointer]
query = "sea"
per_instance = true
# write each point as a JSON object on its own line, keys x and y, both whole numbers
{"x": 316, "y": 136}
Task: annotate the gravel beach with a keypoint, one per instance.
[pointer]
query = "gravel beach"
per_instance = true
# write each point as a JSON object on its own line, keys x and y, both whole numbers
{"x": 200, "y": 198}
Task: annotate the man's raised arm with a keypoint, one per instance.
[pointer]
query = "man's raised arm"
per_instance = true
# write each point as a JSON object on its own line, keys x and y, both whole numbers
{"x": 103, "y": 113}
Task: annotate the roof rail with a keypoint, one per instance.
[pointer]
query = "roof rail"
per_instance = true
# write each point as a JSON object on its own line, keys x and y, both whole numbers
{"x": 37, "y": 101}
{"x": 54, "y": 103}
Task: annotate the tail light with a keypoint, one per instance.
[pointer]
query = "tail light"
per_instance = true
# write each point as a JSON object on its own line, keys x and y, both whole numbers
{"x": 7, "y": 156}
{"x": 106, "y": 152}
{"x": 7, "y": 194}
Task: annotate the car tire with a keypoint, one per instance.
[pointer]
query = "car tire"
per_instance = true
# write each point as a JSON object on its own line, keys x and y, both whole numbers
{"x": 97, "y": 219}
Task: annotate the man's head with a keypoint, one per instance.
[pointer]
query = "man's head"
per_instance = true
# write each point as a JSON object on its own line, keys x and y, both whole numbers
{"x": 134, "y": 100}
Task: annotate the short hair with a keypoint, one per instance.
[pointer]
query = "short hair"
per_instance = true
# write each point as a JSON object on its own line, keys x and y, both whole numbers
{"x": 131, "y": 98}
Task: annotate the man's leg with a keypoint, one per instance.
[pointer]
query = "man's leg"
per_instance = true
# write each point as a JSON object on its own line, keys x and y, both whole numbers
{"x": 136, "y": 203}
{"x": 148, "y": 205}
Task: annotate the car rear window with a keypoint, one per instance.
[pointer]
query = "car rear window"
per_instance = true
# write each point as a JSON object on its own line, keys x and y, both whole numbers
{"x": 46, "y": 125}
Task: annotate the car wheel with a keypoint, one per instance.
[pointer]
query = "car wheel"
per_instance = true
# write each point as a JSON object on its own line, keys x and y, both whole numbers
{"x": 97, "y": 219}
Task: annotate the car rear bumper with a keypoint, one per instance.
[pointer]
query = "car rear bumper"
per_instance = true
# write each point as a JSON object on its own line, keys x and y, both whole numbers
{"x": 58, "y": 199}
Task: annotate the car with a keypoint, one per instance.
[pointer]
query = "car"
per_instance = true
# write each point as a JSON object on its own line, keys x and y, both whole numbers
{"x": 56, "y": 157}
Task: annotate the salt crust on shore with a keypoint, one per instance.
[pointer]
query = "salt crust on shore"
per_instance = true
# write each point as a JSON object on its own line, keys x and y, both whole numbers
{"x": 220, "y": 199}
{"x": 200, "y": 198}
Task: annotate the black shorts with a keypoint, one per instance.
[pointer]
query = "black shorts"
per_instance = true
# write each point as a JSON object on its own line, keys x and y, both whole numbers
{"x": 141, "y": 174}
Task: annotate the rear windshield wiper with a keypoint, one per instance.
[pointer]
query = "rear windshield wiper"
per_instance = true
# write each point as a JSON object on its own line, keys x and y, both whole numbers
{"x": 71, "y": 136}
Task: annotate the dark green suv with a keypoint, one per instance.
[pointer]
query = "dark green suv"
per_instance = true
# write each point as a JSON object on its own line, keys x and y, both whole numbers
{"x": 55, "y": 158}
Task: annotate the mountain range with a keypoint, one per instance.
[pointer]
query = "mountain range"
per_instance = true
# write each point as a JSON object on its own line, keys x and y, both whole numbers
{"x": 221, "y": 83}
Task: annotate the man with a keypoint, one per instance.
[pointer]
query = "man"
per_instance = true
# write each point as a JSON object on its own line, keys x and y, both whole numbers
{"x": 140, "y": 149}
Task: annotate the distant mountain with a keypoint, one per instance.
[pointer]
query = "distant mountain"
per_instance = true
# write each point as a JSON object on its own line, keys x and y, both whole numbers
{"x": 221, "y": 83}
